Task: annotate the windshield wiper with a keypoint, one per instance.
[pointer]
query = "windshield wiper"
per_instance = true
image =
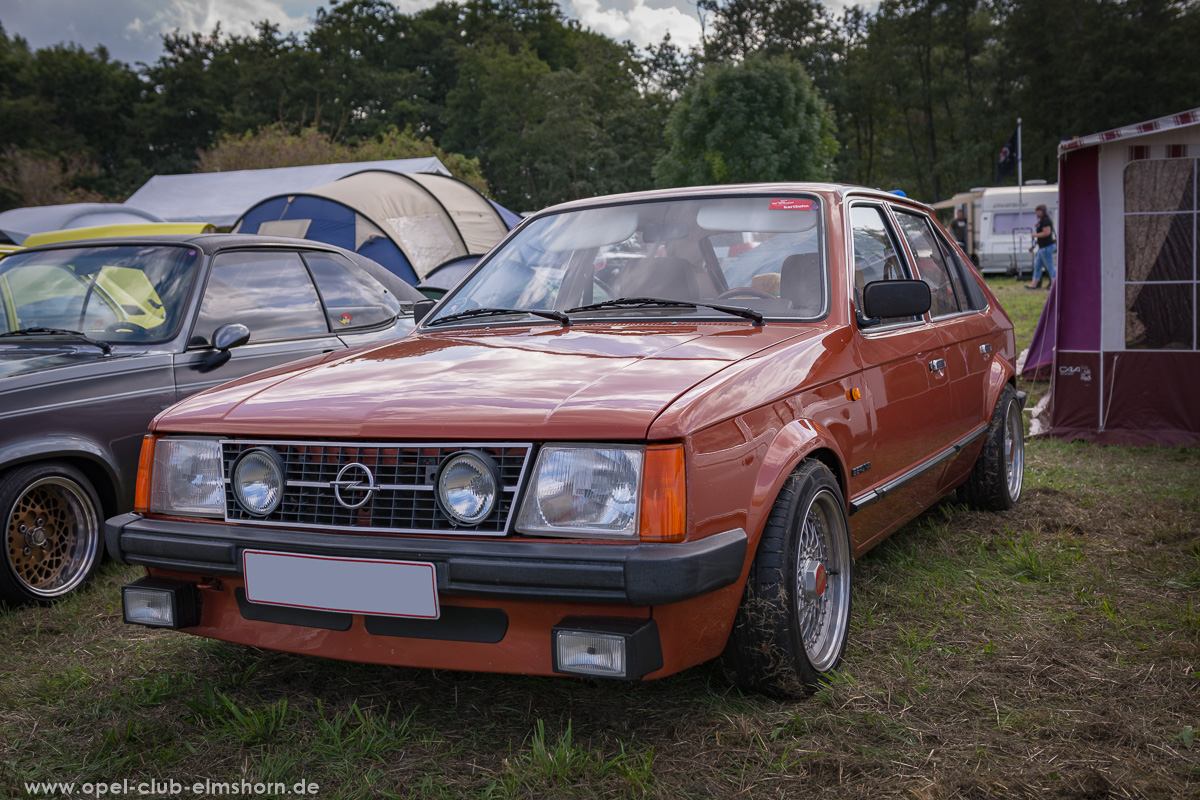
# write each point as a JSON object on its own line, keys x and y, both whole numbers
{"x": 557, "y": 316}
{"x": 636, "y": 302}
{"x": 76, "y": 335}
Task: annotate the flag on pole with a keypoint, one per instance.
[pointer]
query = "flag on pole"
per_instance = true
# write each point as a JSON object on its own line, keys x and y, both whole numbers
{"x": 1008, "y": 158}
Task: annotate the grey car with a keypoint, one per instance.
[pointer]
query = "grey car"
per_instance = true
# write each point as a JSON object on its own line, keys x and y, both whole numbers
{"x": 100, "y": 336}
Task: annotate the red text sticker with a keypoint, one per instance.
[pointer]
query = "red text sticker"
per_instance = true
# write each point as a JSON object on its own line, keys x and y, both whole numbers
{"x": 791, "y": 204}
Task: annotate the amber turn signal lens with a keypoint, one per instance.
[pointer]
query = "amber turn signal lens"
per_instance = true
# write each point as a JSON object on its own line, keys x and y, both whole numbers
{"x": 141, "y": 494}
{"x": 664, "y": 500}
{"x": 853, "y": 394}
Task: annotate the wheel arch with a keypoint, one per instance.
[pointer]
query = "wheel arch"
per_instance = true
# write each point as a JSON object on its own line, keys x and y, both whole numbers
{"x": 89, "y": 458}
{"x": 797, "y": 441}
{"x": 1001, "y": 375}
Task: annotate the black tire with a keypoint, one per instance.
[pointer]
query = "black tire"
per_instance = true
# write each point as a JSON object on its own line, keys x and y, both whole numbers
{"x": 999, "y": 472}
{"x": 53, "y": 538}
{"x": 790, "y": 630}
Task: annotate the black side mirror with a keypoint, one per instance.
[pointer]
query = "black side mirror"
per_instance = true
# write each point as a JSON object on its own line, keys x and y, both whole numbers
{"x": 421, "y": 309}
{"x": 232, "y": 334}
{"x": 888, "y": 299}
{"x": 229, "y": 335}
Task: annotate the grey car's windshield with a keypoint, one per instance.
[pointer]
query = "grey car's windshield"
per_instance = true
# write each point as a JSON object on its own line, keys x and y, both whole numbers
{"x": 123, "y": 293}
{"x": 762, "y": 253}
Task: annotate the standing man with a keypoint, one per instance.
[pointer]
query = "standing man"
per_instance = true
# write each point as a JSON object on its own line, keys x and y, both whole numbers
{"x": 959, "y": 228}
{"x": 1044, "y": 237}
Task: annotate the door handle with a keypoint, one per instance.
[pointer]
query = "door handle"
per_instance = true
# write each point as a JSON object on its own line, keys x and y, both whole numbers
{"x": 937, "y": 365}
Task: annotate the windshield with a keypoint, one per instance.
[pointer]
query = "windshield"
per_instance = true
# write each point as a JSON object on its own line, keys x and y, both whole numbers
{"x": 114, "y": 294}
{"x": 761, "y": 253}
{"x": 1008, "y": 222}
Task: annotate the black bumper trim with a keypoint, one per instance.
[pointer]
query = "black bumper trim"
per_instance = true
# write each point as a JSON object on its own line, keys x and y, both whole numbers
{"x": 457, "y": 624}
{"x": 302, "y": 617}
{"x": 571, "y": 571}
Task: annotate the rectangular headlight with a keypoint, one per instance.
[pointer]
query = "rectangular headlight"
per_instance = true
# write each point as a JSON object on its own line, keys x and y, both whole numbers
{"x": 613, "y": 647}
{"x": 584, "y": 490}
{"x": 187, "y": 478}
{"x": 158, "y": 603}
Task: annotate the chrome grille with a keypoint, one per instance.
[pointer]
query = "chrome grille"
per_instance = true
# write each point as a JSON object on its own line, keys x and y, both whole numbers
{"x": 404, "y": 474}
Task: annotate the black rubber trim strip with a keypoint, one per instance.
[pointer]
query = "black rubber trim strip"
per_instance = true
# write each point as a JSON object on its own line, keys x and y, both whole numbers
{"x": 285, "y": 615}
{"x": 639, "y": 574}
{"x": 456, "y": 624}
{"x": 875, "y": 495}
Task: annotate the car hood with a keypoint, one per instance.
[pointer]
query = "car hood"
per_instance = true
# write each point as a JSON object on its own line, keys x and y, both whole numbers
{"x": 501, "y": 384}
{"x": 28, "y": 360}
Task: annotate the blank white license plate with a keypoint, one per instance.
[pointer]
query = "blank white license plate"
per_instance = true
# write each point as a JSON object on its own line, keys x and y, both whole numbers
{"x": 353, "y": 585}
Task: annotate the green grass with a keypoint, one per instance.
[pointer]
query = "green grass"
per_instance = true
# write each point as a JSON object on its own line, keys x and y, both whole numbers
{"x": 1051, "y": 651}
{"x": 1024, "y": 307}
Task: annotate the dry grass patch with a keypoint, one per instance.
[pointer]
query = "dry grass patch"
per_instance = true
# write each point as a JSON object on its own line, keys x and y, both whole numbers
{"x": 1051, "y": 652}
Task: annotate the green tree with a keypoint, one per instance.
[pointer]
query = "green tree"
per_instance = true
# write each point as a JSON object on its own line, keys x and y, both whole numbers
{"x": 801, "y": 29}
{"x": 68, "y": 105}
{"x": 760, "y": 120}
{"x": 1084, "y": 66}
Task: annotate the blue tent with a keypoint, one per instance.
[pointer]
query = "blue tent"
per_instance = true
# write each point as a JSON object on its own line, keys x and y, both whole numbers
{"x": 410, "y": 223}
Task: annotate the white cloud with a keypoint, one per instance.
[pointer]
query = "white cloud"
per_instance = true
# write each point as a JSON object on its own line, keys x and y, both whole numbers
{"x": 236, "y": 17}
{"x": 640, "y": 23}
{"x": 413, "y": 6}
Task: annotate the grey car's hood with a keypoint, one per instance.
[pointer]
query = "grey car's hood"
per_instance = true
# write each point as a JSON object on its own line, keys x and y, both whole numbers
{"x": 28, "y": 359}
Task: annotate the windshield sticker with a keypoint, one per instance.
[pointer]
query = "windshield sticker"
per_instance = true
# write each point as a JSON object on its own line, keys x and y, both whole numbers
{"x": 347, "y": 319}
{"x": 791, "y": 204}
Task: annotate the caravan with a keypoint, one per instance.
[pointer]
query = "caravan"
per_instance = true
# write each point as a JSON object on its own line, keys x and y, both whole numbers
{"x": 1000, "y": 221}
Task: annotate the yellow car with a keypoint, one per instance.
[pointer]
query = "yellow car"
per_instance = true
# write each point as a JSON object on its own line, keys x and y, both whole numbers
{"x": 110, "y": 231}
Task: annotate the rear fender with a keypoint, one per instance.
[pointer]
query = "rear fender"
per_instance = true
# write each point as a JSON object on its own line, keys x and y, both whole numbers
{"x": 1001, "y": 375}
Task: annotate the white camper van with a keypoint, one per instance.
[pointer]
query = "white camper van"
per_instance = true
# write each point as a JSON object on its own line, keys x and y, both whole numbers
{"x": 1000, "y": 220}
{"x": 1006, "y": 222}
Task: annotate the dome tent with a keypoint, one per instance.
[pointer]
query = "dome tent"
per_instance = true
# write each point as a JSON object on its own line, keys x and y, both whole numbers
{"x": 410, "y": 223}
{"x": 18, "y": 224}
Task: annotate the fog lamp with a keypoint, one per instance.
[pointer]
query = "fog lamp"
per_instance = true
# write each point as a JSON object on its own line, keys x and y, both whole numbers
{"x": 158, "y": 603}
{"x": 258, "y": 481}
{"x": 468, "y": 486}
{"x": 606, "y": 648}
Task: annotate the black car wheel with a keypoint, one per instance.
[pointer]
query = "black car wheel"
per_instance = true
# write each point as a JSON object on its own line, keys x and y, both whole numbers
{"x": 791, "y": 628}
{"x": 999, "y": 472}
{"x": 53, "y": 540}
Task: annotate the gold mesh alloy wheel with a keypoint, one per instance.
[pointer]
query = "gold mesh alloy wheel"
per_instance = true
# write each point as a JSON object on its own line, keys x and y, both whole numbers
{"x": 52, "y": 537}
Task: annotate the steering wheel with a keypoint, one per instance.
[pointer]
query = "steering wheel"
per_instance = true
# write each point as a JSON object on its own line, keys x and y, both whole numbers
{"x": 745, "y": 293}
{"x": 122, "y": 326}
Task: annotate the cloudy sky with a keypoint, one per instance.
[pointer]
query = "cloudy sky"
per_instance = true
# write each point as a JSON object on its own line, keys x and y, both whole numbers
{"x": 131, "y": 29}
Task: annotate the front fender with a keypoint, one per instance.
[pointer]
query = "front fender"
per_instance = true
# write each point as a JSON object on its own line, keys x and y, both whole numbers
{"x": 795, "y": 442}
{"x": 60, "y": 446}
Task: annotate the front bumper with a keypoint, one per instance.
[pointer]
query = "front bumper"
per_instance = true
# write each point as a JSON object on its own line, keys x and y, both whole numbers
{"x": 564, "y": 571}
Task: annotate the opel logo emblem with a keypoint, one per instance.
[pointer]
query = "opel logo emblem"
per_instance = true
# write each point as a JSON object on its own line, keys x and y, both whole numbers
{"x": 354, "y": 478}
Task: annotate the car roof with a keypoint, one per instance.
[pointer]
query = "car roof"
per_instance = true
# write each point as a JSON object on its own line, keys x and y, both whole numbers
{"x": 210, "y": 243}
{"x": 689, "y": 192}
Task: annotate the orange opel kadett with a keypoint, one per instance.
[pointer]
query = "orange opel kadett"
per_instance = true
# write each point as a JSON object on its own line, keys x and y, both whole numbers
{"x": 646, "y": 431}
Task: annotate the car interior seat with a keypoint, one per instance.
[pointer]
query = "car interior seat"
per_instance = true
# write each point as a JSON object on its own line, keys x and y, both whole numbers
{"x": 801, "y": 280}
{"x": 666, "y": 277}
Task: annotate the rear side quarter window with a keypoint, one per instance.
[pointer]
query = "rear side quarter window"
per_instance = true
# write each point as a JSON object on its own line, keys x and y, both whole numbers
{"x": 353, "y": 299}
